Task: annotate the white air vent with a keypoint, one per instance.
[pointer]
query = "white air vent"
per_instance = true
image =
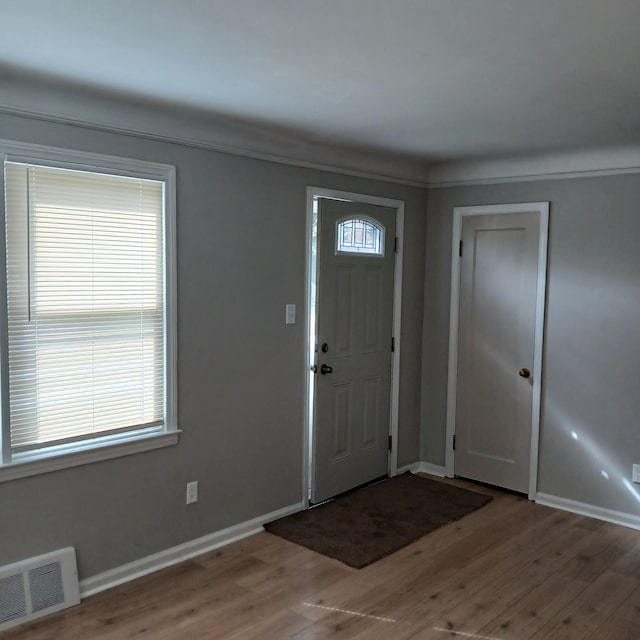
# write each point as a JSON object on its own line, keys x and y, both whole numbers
{"x": 38, "y": 586}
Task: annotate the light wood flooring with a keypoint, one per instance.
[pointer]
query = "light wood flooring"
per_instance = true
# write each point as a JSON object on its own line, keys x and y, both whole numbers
{"x": 511, "y": 570}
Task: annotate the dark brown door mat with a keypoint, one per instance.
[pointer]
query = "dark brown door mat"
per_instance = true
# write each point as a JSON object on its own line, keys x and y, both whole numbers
{"x": 367, "y": 524}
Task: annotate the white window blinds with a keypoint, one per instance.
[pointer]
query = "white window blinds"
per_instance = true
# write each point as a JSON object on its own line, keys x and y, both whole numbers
{"x": 85, "y": 304}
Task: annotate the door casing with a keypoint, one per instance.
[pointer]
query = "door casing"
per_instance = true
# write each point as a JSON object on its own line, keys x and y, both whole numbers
{"x": 398, "y": 205}
{"x": 542, "y": 208}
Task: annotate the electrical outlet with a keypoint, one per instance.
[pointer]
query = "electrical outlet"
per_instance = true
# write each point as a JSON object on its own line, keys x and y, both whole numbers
{"x": 192, "y": 492}
{"x": 636, "y": 473}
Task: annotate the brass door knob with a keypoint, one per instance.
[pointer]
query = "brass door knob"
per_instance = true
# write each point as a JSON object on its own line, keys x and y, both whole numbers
{"x": 524, "y": 373}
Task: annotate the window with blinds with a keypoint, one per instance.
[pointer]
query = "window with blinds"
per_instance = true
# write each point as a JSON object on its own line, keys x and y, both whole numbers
{"x": 86, "y": 306}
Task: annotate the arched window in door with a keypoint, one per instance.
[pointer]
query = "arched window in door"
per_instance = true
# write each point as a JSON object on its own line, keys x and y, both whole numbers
{"x": 360, "y": 235}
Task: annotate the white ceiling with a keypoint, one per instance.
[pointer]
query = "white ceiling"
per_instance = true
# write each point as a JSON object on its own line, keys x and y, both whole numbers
{"x": 426, "y": 79}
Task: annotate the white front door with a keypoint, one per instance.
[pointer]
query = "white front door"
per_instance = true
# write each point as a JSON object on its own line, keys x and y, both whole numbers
{"x": 496, "y": 363}
{"x": 354, "y": 332}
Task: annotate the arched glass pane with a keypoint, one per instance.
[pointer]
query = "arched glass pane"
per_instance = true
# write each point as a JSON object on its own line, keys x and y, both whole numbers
{"x": 359, "y": 235}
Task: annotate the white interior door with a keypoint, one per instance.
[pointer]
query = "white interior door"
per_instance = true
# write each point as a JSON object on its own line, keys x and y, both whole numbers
{"x": 496, "y": 358}
{"x": 354, "y": 332}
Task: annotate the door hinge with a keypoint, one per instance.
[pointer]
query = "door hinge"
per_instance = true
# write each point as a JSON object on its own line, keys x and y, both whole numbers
{"x": 393, "y": 345}
{"x": 396, "y": 244}
{"x": 454, "y": 441}
{"x": 390, "y": 443}
{"x": 460, "y": 249}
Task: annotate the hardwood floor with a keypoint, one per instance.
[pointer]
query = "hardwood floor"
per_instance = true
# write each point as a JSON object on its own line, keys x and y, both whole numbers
{"x": 511, "y": 570}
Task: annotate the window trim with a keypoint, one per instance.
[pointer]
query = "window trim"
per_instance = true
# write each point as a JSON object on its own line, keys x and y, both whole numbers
{"x": 110, "y": 446}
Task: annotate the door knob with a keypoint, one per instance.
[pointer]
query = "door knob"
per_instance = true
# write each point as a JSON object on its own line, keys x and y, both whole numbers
{"x": 325, "y": 369}
{"x": 524, "y": 373}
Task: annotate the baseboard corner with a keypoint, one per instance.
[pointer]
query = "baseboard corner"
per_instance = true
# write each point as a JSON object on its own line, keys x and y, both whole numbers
{"x": 423, "y": 467}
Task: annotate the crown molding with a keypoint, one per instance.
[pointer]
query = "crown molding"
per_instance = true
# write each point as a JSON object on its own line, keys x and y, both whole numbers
{"x": 48, "y": 100}
{"x": 576, "y": 164}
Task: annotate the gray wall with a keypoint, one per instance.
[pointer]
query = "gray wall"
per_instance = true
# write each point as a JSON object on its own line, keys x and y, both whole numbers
{"x": 592, "y": 342}
{"x": 241, "y": 257}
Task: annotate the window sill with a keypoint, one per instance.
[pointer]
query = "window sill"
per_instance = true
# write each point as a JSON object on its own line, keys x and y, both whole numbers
{"x": 45, "y": 464}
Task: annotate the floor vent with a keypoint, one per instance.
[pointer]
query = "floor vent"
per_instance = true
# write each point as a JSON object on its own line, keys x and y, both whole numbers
{"x": 38, "y": 586}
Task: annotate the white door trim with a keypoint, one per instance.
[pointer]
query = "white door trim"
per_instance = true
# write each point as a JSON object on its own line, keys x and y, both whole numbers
{"x": 398, "y": 205}
{"x": 542, "y": 208}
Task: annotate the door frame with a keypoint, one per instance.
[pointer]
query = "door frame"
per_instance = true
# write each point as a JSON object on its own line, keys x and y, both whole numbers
{"x": 459, "y": 213}
{"x": 398, "y": 205}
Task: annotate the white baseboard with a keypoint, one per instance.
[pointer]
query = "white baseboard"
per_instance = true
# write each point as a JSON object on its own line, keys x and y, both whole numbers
{"x": 174, "y": 555}
{"x": 608, "y": 515}
{"x": 423, "y": 467}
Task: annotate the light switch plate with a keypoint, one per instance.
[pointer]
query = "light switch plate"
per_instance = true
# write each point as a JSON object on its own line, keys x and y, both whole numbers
{"x": 636, "y": 473}
{"x": 290, "y": 314}
{"x": 192, "y": 492}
